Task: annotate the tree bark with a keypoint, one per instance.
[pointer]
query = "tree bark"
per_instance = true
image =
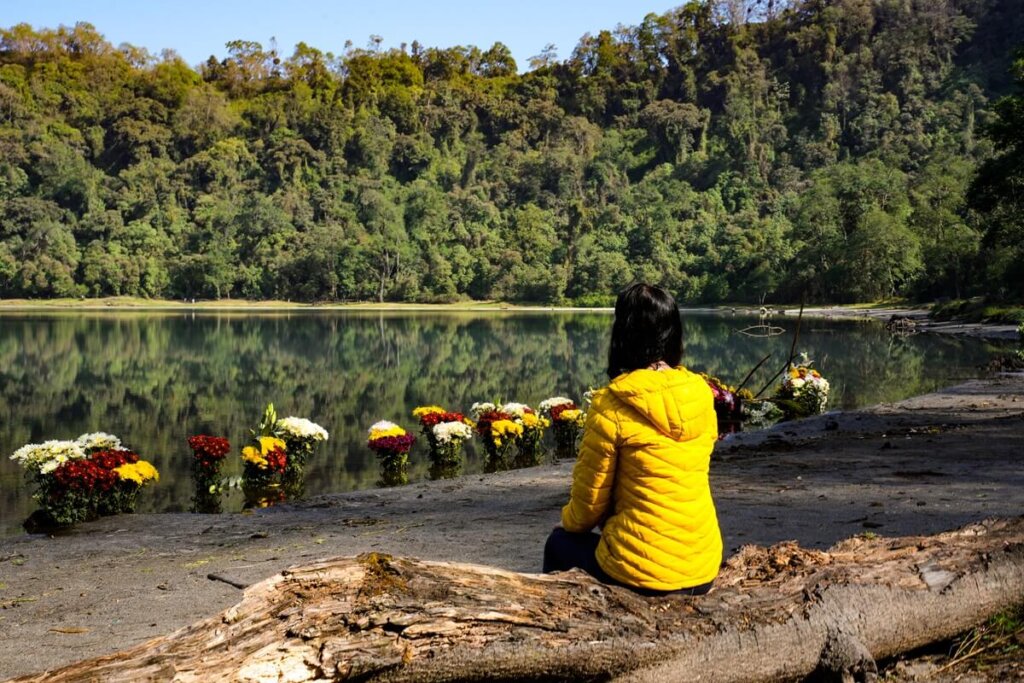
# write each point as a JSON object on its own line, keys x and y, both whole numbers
{"x": 775, "y": 613}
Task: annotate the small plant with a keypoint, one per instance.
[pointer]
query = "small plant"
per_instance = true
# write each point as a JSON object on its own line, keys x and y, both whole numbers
{"x": 998, "y": 638}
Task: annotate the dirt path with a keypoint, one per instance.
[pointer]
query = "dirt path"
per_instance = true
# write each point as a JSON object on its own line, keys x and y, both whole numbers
{"x": 919, "y": 466}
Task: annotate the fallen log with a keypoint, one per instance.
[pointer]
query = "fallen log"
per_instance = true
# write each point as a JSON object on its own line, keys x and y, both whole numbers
{"x": 777, "y": 613}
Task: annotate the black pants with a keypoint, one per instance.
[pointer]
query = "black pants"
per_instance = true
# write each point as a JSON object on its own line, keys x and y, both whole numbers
{"x": 565, "y": 550}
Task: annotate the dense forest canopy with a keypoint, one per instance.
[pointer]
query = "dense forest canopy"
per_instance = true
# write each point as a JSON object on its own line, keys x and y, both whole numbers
{"x": 730, "y": 150}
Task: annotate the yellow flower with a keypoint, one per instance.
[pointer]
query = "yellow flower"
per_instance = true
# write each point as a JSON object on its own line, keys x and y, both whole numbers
{"x": 381, "y": 433}
{"x": 570, "y": 415}
{"x": 269, "y": 443}
{"x": 794, "y": 372}
{"x": 505, "y": 429}
{"x": 127, "y": 472}
{"x": 530, "y": 420}
{"x": 251, "y": 455}
{"x": 140, "y": 472}
{"x": 147, "y": 471}
{"x": 426, "y": 410}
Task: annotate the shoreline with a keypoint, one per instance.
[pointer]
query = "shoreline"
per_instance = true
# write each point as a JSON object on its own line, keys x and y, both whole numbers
{"x": 911, "y": 467}
{"x": 918, "y": 315}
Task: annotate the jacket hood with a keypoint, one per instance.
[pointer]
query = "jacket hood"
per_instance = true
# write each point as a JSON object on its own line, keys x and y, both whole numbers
{"x": 674, "y": 401}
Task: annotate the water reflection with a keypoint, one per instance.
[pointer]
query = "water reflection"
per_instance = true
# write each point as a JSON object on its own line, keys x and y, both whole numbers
{"x": 156, "y": 378}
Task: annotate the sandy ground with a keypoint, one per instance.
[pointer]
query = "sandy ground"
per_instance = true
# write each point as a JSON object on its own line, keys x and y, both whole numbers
{"x": 923, "y": 465}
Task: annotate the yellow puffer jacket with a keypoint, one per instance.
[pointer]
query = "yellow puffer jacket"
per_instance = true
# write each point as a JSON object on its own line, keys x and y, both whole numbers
{"x": 642, "y": 473}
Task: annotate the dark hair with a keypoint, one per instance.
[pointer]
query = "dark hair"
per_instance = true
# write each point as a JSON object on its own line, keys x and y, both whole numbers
{"x": 647, "y": 329}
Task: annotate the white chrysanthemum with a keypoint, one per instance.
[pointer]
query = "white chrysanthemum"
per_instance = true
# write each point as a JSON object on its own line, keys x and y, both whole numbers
{"x": 382, "y": 426}
{"x": 515, "y": 409}
{"x": 479, "y": 409}
{"x": 97, "y": 441}
{"x": 547, "y": 404}
{"x": 37, "y": 456}
{"x": 446, "y": 431}
{"x": 301, "y": 428}
{"x": 53, "y": 463}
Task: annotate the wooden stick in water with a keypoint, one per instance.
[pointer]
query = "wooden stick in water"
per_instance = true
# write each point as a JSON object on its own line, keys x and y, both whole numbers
{"x": 792, "y": 351}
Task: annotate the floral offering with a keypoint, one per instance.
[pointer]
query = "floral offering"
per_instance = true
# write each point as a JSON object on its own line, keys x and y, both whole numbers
{"x": 263, "y": 464}
{"x": 566, "y": 424}
{"x": 391, "y": 443}
{"x": 803, "y": 390}
{"x": 301, "y": 437}
{"x": 498, "y": 431}
{"x": 266, "y": 459}
{"x": 445, "y": 432}
{"x": 86, "y": 478}
{"x": 760, "y": 414}
{"x": 208, "y": 453}
{"x": 528, "y": 445}
{"x": 728, "y": 400}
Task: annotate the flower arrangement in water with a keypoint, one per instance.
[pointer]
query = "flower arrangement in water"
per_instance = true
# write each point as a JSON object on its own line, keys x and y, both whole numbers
{"x": 391, "y": 443}
{"x": 89, "y": 477}
{"x": 528, "y": 442}
{"x": 301, "y": 437}
{"x": 803, "y": 390}
{"x": 278, "y": 455}
{"x": 567, "y": 421}
{"x": 262, "y": 462}
{"x": 498, "y": 431}
{"x": 208, "y": 453}
{"x": 763, "y": 413}
{"x": 446, "y": 433}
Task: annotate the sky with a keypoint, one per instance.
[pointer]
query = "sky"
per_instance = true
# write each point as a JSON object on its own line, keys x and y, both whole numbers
{"x": 197, "y": 29}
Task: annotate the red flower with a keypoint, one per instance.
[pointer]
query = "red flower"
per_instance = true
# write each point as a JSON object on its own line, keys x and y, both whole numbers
{"x": 483, "y": 424}
{"x": 112, "y": 459}
{"x": 431, "y": 419}
{"x": 84, "y": 475}
{"x": 277, "y": 460}
{"x": 561, "y": 408}
{"x": 209, "y": 450}
{"x": 392, "y": 444}
{"x": 211, "y": 447}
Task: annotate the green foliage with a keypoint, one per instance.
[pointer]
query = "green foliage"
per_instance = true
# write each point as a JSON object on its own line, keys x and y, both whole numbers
{"x": 824, "y": 150}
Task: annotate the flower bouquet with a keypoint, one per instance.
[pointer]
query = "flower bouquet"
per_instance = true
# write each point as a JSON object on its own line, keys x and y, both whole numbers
{"x": 208, "y": 453}
{"x": 263, "y": 462}
{"x": 391, "y": 443}
{"x": 301, "y": 437}
{"x": 803, "y": 391}
{"x": 528, "y": 443}
{"x": 728, "y": 403}
{"x": 498, "y": 431}
{"x": 566, "y": 424}
{"x": 84, "y": 479}
{"x": 445, "y": 433}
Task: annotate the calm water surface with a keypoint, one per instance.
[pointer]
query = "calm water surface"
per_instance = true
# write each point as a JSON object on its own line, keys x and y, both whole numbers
{"x": 156, "y": 378}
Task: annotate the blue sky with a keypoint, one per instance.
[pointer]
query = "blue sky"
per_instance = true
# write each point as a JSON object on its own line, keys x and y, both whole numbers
{"x": 198, "y": 29}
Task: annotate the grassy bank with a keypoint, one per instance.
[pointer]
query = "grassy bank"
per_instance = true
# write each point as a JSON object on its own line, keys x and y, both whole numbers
{"x": 979, "y": 311}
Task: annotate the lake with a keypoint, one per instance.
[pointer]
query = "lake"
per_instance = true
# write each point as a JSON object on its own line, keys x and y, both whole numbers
{"x": 155, "y": 378}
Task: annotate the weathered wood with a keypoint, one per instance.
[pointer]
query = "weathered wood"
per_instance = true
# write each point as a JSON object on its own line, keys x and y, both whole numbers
{"x": 776, "y": 613}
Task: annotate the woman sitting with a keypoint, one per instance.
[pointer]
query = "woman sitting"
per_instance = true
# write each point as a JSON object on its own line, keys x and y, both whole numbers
{"x": 642, "y": 470}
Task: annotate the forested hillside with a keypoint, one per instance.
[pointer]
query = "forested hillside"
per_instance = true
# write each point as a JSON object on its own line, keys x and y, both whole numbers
{"x": 728, "y": 150}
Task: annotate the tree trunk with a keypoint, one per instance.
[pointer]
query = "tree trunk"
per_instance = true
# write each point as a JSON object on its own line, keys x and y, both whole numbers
{"x": 775, "y": 614}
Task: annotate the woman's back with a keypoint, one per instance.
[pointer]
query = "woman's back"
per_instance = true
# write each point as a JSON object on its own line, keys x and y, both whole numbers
{"x": 643, "y": 472}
